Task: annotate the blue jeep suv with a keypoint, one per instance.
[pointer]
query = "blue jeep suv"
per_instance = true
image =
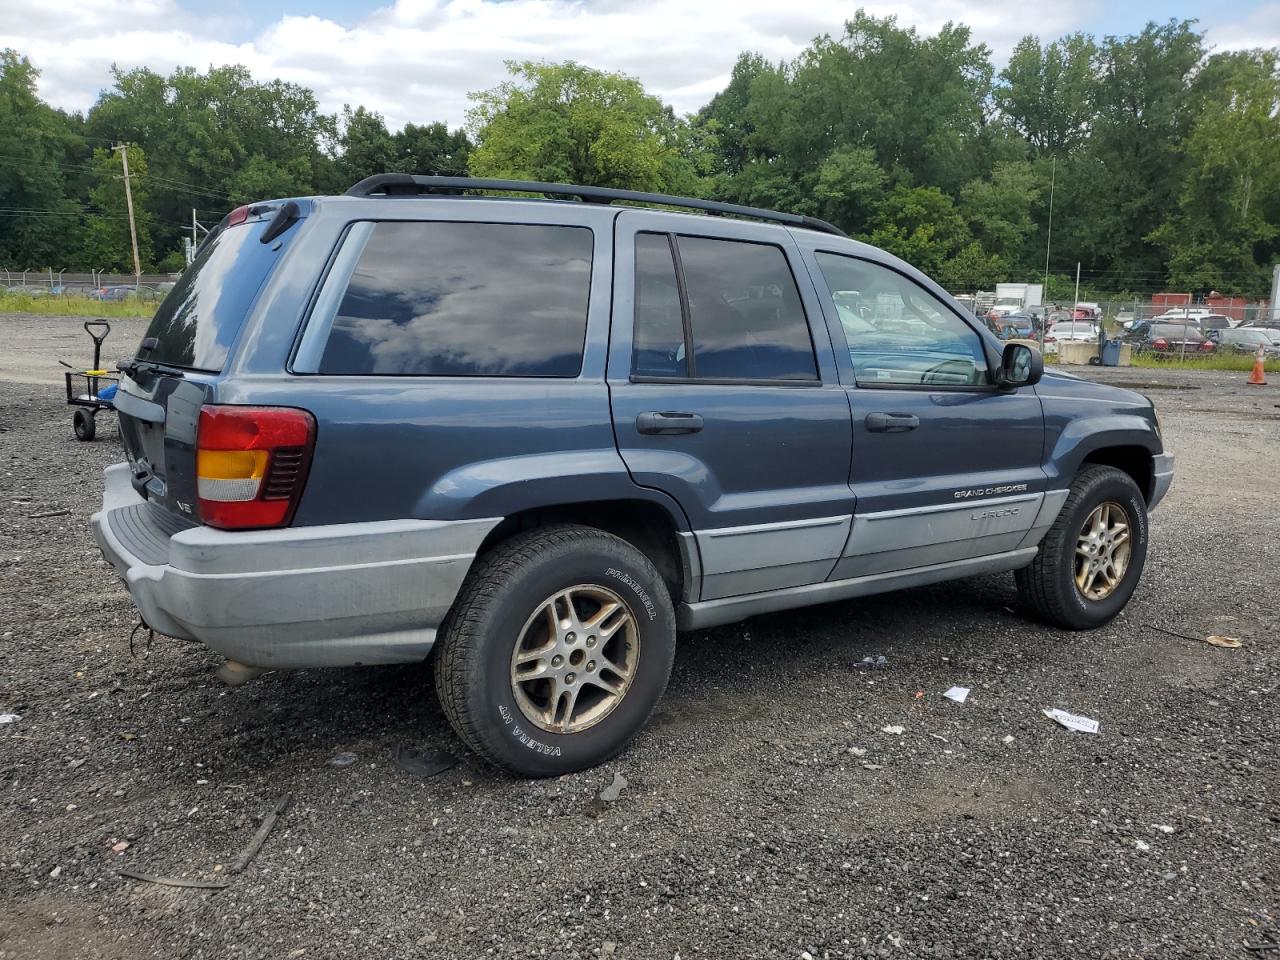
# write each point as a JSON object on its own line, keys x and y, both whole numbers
{"x": 535, "y": 436}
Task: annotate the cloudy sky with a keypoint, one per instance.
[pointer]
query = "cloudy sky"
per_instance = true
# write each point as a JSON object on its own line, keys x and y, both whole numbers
{"x": 416, "y": 59}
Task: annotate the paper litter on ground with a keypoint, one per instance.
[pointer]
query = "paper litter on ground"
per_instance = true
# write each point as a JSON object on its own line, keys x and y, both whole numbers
{"x": 958, "y": 694}
{"x": 1071, "y": 721}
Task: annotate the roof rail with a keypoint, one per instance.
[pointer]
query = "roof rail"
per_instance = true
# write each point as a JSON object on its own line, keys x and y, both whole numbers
{"x": 404, "y": 184}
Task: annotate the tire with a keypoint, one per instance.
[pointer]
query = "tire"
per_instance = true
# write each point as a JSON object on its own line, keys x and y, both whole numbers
{"x": 84, "y": 424}
{"x": 504, "y": 605}
{"x": 1048, "y": 585}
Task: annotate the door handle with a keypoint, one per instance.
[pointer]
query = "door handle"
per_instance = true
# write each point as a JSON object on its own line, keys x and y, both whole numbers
{"x": 657, "y": 423}
{"x": 892, "y": 422}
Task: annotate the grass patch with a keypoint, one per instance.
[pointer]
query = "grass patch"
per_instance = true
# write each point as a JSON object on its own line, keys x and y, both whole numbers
{"x": 70, "y": 305}
{"x": 1225, "y": 361}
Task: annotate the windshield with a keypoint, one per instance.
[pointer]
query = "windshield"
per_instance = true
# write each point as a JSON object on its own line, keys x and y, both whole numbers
{"x": 199, "y": 319}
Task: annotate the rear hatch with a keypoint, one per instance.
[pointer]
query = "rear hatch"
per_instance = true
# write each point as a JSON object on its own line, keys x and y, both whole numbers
{"x": 187, "y": 344}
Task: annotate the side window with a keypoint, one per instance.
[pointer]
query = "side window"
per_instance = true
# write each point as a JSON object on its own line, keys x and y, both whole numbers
{"x": 464, "y": 299}
{"x": 658, "y": 346}
{"x": 897, "y": 332}
{"x": 744, "y": 312}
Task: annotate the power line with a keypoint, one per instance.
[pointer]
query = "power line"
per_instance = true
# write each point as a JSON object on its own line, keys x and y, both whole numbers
{"x": 91, "y": 168}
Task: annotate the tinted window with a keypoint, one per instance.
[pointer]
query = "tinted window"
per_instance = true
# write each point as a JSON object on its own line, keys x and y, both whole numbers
{"x": 200, "y": 317}
{"x": 658, "y": 344}
{"x": 745, "y": 312}
{"x": 897, "y": 332}
{"x": 1175, "y": 330}
{"x": 465, "y": 299}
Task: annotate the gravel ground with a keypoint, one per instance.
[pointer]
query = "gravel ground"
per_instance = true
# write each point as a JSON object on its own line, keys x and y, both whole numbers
{"x": 766, "y": 813}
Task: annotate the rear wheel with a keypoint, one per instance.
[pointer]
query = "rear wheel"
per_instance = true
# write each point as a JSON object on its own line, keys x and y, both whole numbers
{"x": 1092, "y": 557}
{"x": 84, "y": 424}
{"x": 557, "y": 650}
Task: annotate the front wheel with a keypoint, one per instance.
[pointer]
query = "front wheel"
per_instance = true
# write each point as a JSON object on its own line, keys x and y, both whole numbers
{"x": 556, "y": 651}
{"x": 1091, "y": 559}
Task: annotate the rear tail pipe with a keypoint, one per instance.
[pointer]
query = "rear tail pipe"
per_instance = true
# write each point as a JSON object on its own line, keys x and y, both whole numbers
{"x": 236, "y": 674}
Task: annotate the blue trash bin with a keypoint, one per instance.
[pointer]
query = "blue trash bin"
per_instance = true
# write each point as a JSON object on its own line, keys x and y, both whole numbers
{"x": 1111, "y": 353}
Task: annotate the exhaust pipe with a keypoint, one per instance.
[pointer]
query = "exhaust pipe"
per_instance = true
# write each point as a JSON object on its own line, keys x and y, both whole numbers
{"x": 236, "y": 674}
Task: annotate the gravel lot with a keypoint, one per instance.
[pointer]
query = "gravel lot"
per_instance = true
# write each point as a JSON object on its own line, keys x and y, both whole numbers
{"x": 767, "y": 814}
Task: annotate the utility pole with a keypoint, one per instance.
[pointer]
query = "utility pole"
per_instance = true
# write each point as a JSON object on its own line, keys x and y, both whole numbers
{"x": 1053, "y": 175}
{"x": 1275, "y": 294}
{"x": 1048, "y": 242}
{"x": 133, "y": 230}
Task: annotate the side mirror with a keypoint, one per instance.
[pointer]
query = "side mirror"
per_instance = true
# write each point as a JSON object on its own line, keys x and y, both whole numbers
{"x": 1020, "y": 366}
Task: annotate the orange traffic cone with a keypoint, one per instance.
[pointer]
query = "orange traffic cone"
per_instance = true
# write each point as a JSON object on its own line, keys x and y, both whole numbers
{"x": 1259, "y": 376}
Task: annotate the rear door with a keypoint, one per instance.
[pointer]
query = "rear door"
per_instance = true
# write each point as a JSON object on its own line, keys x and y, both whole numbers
{"x": 721, "y": 400}
{"x": 945, "y": 467}
{"x": 183, "y": 352}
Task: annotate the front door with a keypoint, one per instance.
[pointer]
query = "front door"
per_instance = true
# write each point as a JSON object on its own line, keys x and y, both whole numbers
{"x": 720, "y": 399}
{"x": 945, "y": 466}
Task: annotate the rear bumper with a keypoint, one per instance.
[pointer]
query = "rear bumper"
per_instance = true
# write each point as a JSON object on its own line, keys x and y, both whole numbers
{"x": 333, "y": 595}
{"x": 1162, "y": 478}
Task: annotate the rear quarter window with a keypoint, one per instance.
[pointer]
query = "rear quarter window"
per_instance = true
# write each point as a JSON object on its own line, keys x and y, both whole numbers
{"x": 463, "y": 299}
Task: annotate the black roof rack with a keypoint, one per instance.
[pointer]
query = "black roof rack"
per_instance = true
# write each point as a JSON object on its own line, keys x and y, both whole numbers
{"x": 404, "y": 184}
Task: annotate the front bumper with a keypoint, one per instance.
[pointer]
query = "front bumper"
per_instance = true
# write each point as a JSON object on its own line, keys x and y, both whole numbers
{"x": 1162, "y": 478}
{"x": 334, "y": 595}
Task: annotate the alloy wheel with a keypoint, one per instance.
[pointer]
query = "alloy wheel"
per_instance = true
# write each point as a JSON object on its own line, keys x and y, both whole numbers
{"x": 1102, "y": 551}
{"x": 575, "y": 659}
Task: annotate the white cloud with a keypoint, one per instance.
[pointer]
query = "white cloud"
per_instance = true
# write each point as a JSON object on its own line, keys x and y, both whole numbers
{"x": 1260, "y": 27}
{"x": 416, "y": 60}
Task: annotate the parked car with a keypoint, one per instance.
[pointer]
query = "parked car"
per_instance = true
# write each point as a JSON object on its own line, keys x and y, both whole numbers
{"x": 1273, "y": 332}
{"x": 514, "y": 435}
{"x": 1075, "y": 330}
{"x": 1214, "y": 321}
{"x": 1245, "y": 340}
{"x": 1167, "y": 339}
{"x": 1005, "y": 306}
{"x": 111, "y": 294}
{"x": 1013, "y": 326}
{"x": 1180, "y": 314}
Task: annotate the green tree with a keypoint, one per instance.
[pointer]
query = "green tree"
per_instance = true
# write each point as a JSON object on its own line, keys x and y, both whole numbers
{"x": 726, "y": 122}
{"x": 432, "y": 149}
{"x": 1047, "y": 93}
{"x": 366, "y": 146}
{"x": 1227, "y": 205}
{"x": 922, "y": 226}
{"x": 38, "y": 221}
{"x": 569, "y": 123}
{"x": 215, "y": 140}
{"x": 1144, "y": 114}
{"x": 999, "y": 213}
{"x": 107, "y": 245}
{"x": 851, "y": 188}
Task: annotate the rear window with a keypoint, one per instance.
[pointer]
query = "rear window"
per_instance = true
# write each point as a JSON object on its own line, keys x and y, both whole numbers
{"x": 1188, "y": 332}
{"x": 197, "y": 322}
{"x": 463, "y": 299}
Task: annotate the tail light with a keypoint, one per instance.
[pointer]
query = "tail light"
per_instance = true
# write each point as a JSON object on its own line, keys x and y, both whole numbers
{"x": 251, "y": 464}
{"x": 1208, "y": 346}
{"x": 238, "y": 216}
{"x": 1160, "y": 343}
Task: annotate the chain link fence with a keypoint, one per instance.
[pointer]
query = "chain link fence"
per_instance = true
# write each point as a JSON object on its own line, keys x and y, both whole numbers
{"x": 44, "y": 282}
